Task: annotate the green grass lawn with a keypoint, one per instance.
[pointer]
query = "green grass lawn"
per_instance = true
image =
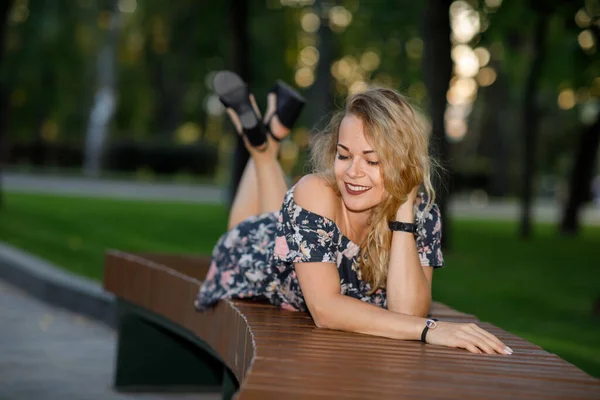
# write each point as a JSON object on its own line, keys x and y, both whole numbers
{"x": 542, "y": 290}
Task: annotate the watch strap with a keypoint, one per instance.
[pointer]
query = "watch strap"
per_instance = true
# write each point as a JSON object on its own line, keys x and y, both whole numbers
{"x": 402, "y": 226}
{"x": 430, "y": 324}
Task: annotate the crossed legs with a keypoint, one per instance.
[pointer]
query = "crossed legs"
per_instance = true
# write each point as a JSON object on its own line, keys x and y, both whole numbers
{"x": 263, "y": 184}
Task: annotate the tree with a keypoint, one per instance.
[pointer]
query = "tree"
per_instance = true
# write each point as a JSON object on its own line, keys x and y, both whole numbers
{"x": 238, "y": 20}
{"x": 437, "y": 67}
{"x": 531, "y": 118}
{"x": 4, "y": 12}
{"x": 105, "y": 99}
{"x": 582, "y": 172}
{"x": 320, "y": 96}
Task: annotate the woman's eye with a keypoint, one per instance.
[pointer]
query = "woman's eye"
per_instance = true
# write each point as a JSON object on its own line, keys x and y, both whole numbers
{"x": 373, "y": 163}
{"x": 341, "y": 157}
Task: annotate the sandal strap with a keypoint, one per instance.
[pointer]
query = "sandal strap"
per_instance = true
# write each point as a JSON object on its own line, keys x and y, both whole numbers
{"x": 268, "y": 129}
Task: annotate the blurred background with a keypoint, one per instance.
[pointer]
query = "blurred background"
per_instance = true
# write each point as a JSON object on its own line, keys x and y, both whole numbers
{"x": 111, "y": 136}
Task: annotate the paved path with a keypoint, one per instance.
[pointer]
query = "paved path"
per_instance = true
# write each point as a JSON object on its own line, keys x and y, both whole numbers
{"x": 78, "y": 186}
{"x": 461, "y": 206}
{"x": 47, "y": 353}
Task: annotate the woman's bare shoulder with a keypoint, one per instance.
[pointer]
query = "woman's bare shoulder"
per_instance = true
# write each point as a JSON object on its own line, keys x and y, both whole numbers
{"x": 314, "y": 194}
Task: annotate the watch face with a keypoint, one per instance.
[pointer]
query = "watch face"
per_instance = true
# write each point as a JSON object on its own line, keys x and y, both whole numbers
{"x": 431, "y": 324}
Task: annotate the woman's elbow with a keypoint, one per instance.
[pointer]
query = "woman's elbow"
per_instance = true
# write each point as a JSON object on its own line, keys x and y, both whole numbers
{"x": 321, "y": 314}
{"x": 417, "y": 311}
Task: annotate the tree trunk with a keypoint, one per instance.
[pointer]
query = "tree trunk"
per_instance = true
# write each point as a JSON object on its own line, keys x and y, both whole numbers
{"x": 320, "y": 97}
{"x": 437, "y": 67}
{"x": 5, "y": 8}
{"x": 581, "y": 177}
{"x": 582, "y": 173}
{"x": 496, "y": 129}
{"x": 238, "y": 19}
{"x": 531, "y": 121}
{"x": 104, "y": 100}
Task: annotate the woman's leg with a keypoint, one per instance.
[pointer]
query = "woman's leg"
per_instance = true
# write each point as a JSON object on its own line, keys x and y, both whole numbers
{"x": 263, "y": 184}
{"x": 261, "y": 189}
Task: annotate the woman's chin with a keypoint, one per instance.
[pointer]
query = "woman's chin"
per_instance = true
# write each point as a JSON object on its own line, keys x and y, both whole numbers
{"x": 356, "y": 205}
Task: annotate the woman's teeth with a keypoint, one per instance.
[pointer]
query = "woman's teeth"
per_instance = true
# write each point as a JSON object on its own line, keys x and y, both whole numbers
{"x": 358, "y": 188}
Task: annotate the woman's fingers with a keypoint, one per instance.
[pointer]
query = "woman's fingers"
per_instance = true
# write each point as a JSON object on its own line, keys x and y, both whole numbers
{"x": 498, "y": 344}
{"x": 235, "y": 120}
{"x": 475, "y": 340}
{"x": 493, "y": 345}
{"x": 471, "y": 347}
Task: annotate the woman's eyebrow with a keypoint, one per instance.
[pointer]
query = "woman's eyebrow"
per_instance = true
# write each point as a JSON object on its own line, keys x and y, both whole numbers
{"x": 347, "y": 149}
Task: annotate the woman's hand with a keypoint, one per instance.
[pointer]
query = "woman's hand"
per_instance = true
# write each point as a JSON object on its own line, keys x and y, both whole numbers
{"x": 466, "y": 336}
{"x": 405, "y": 212}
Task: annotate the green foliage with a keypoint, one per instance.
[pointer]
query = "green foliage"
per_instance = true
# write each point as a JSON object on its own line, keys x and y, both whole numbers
{"x": 166, "y": 53}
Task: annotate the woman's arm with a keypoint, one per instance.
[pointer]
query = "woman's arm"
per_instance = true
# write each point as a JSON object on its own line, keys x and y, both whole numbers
{"x": 320, "y": 284}
{"x": 408, "y": 284}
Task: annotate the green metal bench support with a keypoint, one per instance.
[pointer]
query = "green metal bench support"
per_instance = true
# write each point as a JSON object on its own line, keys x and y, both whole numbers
{"x": 155, "y": 354}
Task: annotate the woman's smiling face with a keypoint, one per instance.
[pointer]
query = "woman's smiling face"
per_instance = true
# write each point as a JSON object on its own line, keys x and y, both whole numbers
{"x": 356, "y": 167}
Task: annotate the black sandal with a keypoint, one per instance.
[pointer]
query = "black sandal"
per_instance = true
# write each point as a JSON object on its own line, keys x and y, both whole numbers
{"x": 233, "y": 93}
{"x": 289, "y": 106}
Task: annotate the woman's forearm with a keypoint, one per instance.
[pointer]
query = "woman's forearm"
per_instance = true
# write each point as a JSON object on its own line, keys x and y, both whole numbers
{"x": 408, "y": 290}
{"x": 346, "y": 313}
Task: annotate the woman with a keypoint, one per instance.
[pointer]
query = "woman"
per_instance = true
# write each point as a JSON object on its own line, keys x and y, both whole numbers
{"x": 326, "y": 245}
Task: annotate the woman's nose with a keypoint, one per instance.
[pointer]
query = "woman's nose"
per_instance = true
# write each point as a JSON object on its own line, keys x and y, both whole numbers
{"x": 354, "y": 169}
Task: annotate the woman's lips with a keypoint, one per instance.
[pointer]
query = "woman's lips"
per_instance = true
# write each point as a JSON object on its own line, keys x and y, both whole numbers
{"x": 356, "y": 192}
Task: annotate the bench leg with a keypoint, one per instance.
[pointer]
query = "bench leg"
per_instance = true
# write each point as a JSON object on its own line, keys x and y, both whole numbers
{"x": 151, "y": 356}
{"x": 230, "y": 385}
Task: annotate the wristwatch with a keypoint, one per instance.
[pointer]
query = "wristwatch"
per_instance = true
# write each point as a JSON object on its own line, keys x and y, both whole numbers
{"x": 402, "y": 226}
{"x": 429, "y": 324}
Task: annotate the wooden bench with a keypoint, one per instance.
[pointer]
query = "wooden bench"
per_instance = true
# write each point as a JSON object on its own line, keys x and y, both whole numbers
{"x": 262, "y": 352}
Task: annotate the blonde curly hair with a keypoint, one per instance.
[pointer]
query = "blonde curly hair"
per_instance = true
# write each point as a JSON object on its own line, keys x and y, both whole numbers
{"x": 400, "y": 136}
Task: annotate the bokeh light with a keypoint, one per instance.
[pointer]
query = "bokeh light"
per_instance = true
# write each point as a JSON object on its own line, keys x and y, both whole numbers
{"x": 493, "y": 3}
{"x": 483, "y": 55}
{"x": 304, "y": 77}
{"x": 414, "y": 48}
{"x": 339, "y": 18}
{"x": 357, "y": 86}
{"x": 309, "y": 56}
{"x": 486, "y": 76}
{"x": 464, "y": 20}
{"x": 188, "y": 133}
{"x": 566, "y": 99}
{"x": 127, "y": 6}
{"x": 456, "y": 129}
{"x": 466, "y": 63}
{"x": 213, "y": 105}
{"x": 369, "y": 61}
{"x": 586, "y": 40}
{"x": 310, "y": 22}
{"x": 582, "y": 19}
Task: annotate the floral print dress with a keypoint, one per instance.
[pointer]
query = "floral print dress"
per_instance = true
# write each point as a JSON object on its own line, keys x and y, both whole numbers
{"x": 255, "y": 259}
